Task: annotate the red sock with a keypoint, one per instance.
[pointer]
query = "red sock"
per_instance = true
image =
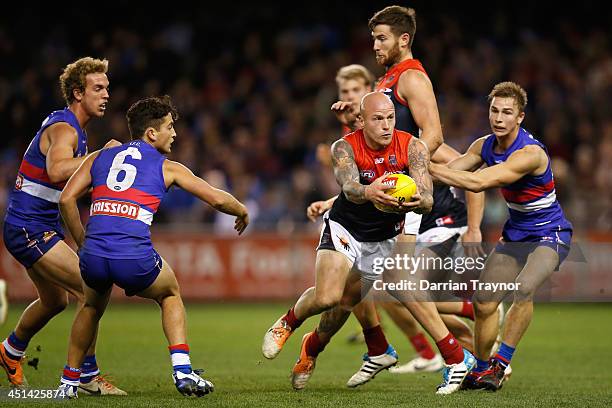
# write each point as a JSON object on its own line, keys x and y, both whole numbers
{"x": 450, "y": 349}
{"x": 376, "y": 341}
{"x": 467, "y": 310}
{"x": 314, "y": 345}
{"x": 291, "y": 320}
{"x": 422, "y": 346}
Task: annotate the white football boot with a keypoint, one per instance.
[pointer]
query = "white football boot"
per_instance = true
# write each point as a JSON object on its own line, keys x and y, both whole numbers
{"x": 454, "y": 374}
{"x": 371, "y": 366}
{"x": 420, "y": 365}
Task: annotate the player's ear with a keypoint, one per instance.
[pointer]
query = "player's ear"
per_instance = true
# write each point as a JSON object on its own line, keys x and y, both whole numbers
{"x": 404, "y": 39}
{"x": 359, "y": 120}
{"x": 77, "y": 94}
{"x": 151, "y": 133}
{"x": 520, "y": 118}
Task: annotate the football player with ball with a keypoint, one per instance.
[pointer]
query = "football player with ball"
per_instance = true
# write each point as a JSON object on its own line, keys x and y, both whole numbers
{"x": 356, "y": 233}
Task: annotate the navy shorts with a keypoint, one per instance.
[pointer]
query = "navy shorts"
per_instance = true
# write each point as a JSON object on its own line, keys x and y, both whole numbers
{"x": 132, "y": 275}
{"x": 28, "y": 244}
{"x": 520, "y": 243}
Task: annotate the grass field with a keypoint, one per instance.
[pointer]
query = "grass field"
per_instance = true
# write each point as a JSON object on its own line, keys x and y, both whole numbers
{"x": 565, "y": 360}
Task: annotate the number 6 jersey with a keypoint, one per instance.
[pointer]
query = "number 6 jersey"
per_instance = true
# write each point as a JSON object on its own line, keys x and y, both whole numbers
{"x": 128, "y": 186}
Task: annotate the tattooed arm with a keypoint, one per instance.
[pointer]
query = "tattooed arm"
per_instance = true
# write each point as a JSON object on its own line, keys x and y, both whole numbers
{"x": 347, "y": 176}
{"x": 418, "y": 162}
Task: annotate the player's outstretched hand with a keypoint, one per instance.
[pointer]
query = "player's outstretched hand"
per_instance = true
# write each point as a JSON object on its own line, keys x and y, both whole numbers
{"x": 241, "y": 223}
{"x": 375, "y": 192}
{"x": 346, "y": 112}
{"x": 112, "y": 143}
{"x": 316, "y": 209}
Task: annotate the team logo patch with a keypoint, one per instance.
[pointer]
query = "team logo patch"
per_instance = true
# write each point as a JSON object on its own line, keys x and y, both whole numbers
{"x": 392, "y": 160}
{"x": 390, "y": 79}
{"x": 48, "y": 235}
{"x": 344, "y": 242}
{"x": 19, "y": 182}
{"x": 115, "y": 208}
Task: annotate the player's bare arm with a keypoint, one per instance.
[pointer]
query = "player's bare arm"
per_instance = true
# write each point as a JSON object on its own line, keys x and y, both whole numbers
{"x": 317, "y": 208}
{"x": 58, "y": 143}
{"x": 471, "y": 160}
{"x": 177, "y": 174}
{"x": 418, "y": 159}
{"x": 347, "y": 176}
{"x": 76, "y": 187}
{"x": 473, "y": 201}
{"x": 415, "y": 88}
{"x": 528, "y": 160}
{"x": 347, "y": 113}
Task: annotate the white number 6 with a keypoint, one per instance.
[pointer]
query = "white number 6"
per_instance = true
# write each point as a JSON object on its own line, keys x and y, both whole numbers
{"x": 119, "y": 166}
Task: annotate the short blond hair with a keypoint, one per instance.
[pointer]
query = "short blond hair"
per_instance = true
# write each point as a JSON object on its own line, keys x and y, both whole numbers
{"x": 75, "y": 73}
{"x": 355, "y": 71}
{"x": 510, "y": 90}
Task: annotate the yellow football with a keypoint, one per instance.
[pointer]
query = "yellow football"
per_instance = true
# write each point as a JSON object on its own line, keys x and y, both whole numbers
{"x": 401, "y": 186}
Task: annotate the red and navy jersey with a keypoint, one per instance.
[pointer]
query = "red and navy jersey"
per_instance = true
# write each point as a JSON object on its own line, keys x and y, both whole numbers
{"x": 34, "y": 198}
{"x": 128, "y": 186}
{"x": 447, "y": 211}
{"x": 364, "y": 221}
{"x": 532, "y": 200}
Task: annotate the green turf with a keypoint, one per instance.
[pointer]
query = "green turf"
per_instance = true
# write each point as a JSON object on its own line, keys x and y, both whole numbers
{"x": 565, "y": 360}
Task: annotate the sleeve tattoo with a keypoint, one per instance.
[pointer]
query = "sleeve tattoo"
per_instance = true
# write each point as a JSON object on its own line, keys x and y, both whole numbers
{"x": 418, "y": 163}
{"x": 346, "y": 171}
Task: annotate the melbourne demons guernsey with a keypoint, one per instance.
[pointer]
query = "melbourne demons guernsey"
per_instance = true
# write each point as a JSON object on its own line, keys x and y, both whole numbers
{"x": 128, "y": 186}
{"x": 531, "y": 201}
{"x": 364, "y": 221}
{"x": 447, "y": 210}
{"x": 34, "y": 198}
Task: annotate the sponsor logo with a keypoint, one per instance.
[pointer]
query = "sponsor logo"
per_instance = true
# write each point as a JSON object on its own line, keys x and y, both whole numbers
{"x": 444, "y": 221}
{"x": 19, "y": 182}
{"x": 386, "y": 90}
{"x": 390, "y": 182}
{"x": 115, "y": 208}
{"x": 379, "y": 160}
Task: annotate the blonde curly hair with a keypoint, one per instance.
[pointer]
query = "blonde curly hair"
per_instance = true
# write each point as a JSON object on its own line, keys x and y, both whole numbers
{"x": 75, "y": 73}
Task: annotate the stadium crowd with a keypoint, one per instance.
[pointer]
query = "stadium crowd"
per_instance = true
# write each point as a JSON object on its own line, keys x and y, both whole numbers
{"x": 254, "y": 101}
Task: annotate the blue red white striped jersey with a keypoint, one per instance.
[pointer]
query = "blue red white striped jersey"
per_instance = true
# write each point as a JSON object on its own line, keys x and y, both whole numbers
{"x": 532, "y": 201}
{"x": 34, "y": 198}
{"x": 128, "y": 186}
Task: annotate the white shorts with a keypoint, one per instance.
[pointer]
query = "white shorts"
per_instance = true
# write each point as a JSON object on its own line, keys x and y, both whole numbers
{"x": 412, "y": 223}
{"x": 438, "y": 235}
{"x": 361, "y": 254}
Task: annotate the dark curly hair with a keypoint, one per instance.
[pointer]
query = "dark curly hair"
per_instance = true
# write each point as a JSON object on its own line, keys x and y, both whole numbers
{"x": 149, "y": 112}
